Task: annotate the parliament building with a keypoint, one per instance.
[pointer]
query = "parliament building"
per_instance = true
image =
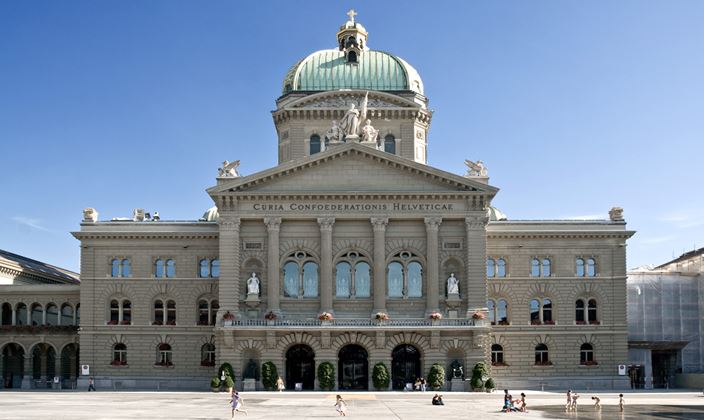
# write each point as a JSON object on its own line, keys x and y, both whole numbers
{"x": 352, "y": 250}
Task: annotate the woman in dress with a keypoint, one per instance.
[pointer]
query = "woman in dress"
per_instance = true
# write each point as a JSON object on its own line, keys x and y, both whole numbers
{"x": 279, "y": 384}
{"x": 237, "y": 403}
{"x": 341, "y": 406}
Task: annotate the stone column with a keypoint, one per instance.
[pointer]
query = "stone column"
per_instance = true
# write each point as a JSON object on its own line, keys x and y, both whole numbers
{"x": 27, "y": 372}
{"x": 229, "y": 265}
{"x": 273, "y": 286}
{"x": 475, "y": 284}
{"x": 379, "y": 226}
{"x": 432, "y": 225}
{"x": 326, "y": 224}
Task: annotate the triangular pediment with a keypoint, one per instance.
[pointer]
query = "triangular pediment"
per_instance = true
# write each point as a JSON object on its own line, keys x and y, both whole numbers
{"x": 343, "y": 99}
{"x": 352, "y": 168}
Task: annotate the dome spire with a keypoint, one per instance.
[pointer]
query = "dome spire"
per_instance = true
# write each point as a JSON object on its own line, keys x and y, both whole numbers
{"x": 352, "y": 39}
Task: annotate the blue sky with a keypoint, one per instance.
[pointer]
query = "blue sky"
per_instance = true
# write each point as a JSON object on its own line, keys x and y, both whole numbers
{"x": 575, "y": 107}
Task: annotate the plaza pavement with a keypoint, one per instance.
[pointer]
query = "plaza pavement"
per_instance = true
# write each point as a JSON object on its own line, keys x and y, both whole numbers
{"x": 319, "y": 405}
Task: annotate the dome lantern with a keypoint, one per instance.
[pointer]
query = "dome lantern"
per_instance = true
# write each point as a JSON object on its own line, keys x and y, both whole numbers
{"x": 352, "y": 39}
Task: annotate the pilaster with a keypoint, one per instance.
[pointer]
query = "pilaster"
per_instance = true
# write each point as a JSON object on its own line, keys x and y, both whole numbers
{"x": 229, "y": 264}
{"x": 476, "y": 285}
{"x": 326, "y": 224}
{"x": 432, "y": 225}
{"x": 273, "y": 226}
{"x": 379, "y": 227}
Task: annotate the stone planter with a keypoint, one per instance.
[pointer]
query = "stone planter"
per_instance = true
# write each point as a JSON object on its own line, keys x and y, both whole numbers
{"x": 228, "y": 322}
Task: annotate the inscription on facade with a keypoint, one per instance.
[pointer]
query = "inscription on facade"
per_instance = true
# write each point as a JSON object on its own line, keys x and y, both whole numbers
{"x": 347, "y": 207}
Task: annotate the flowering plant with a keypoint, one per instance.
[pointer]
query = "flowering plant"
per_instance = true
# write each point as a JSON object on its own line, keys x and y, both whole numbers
{"x": 381, "y": 316}
{"x": 325, "y": 316}
{"x": 435, "y": 316}
{"x": 112, "y": 322}
{"x": 270, "y": 316}
{"x": 478, "y": 315}
{"x": 125, "y": 322}
{"x": 157, "y": 322}
{"x": 119, "y": 362}
{"x": 588, "y": 362}
{"x": 229, "y": 316}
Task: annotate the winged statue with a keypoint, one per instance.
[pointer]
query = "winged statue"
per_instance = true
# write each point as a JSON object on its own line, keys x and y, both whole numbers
{"x": 229, "y": 169}
{"x": 476, "y": 168}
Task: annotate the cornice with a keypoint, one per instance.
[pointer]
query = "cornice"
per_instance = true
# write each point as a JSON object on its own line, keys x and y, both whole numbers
{"x": 144, "y": 235}
{"x": 561, "y": 235}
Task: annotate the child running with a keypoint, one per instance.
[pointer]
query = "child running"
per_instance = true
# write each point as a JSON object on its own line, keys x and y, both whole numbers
{"x": 569, "y": 400}
{"x": 341, "y": 406}
{"x": 596, "y": 402}
{"x": 237, "y": 403}
{"x": 621, "y": 402}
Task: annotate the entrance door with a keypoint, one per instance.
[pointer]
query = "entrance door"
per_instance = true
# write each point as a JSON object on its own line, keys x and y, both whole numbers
{"x": 664, "y": 368}
{"x": 12, "y": 365}
{"x": 300, "y": 367}
{"x": 405, "y": 365}
{"x": 353, "y": 368}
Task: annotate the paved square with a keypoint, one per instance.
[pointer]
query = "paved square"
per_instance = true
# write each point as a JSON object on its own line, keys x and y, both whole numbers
{"x": 364, "y": 405}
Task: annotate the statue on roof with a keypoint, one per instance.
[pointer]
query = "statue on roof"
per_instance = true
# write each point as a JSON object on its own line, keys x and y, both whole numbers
{"x": 476, "y": 168}
{"x": 369, "y": 133}
{"x": 229, "y": 169}
{"x": 349, "y": 124}
{"x": 334, "y": 134}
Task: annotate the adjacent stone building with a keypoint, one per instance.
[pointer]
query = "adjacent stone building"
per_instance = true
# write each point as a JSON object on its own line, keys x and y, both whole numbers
{"x": 353, "y": 251}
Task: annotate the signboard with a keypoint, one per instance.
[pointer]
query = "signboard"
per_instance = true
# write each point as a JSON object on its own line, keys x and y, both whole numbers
{"x": 622, "y": 370}
{"x": 85, "y": 370}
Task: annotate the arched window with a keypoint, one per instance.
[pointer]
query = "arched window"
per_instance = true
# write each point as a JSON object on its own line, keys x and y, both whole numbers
{"x": 6, "y": 314}
{"x": 405, "y": 276}
{"x": 300, "y": 276}
{"x": 114, "y": 312}
{"x": 541, "y": 312}
{"x": 314, "y": 144}
{"x": 214, "y": 306}
{"x": 491, "y": 307}
{"x": 501, "y": 267}
{"x": 126, "y": 313}
{"x": 66, "y": 314}
{"x": 126, "y": 270}
{"x": 351, "y": 57}
{"x": 21, "y": 314}
{"x": 579, "y": 315}
{"x": 579, "y": 263}
{"x": 119, "y": 354}
{"x": 490, "y": 267}
{"x": 115, "y": 268}
{"x": 586, "y": 354}
{"x": 37, "y": 314}
{"x": 541, "y": 355}
{"x": 207, "y": 354}
{"x": 591, "y": 267}
{"x": 204, "y": 268}
{"x": 591, "y": 312}
{"x": 203, "y": 312}
{"x": 497, "y": 355}
{"x": 164, "y": 355}
{"x": 159, "y": 268}
{"x": 215, "y": 268}
{"x": 545, "y": 270}
{"x": 52, "y": 314}
{"x": 158, "y": 312}
{"x": 535, "y": 267}
{"x": 390, "y": 144}
{"x": 362, "y": 279}
{"x": 502, "y": 312}
{"x": 343, "y": 279}
{"x": 170, "y": 312}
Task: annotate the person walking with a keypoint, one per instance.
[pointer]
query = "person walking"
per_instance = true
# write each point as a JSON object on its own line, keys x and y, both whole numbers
{"x": 569, "y": 400}
{"x": 91, "y": 384}
{"x": 524, "y": 407}
{"x": 279, "y": 384}
{"x": 341, "y": 406}
{"x": 237, "y": 403}
{"x": 574, "y": 401}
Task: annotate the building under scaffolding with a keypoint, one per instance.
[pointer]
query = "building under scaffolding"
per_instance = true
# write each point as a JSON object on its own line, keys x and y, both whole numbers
{"x": 665, "y": 328}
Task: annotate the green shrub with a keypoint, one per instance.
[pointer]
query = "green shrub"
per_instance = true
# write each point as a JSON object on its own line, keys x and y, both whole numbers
{"x": 269, "y": 375}
{"x": 229, "y": 383}
{"x": 228, "y": 370}
{"x": 476, "y": 383}
{"x": 480, "y": 374}
{"x": 489, "y": 384}
{"x": 326, "y": 376}
{"x": 380, "y": 376}
{"x": 436, "y": 376}
{"x": 215, "y": 382}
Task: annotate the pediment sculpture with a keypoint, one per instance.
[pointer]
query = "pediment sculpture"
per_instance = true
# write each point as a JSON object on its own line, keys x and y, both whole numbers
{"x": 229, "y": 169}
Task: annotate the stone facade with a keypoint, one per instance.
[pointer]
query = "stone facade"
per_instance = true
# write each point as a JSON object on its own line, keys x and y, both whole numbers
{"x": 353, "y": 244}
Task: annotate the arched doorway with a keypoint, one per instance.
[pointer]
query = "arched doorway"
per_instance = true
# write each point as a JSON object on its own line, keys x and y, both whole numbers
{"x": 353, "y": 368}
{"x": 69, "y": 365}
{"x": 12, "y": 365}
{"x": 405, "y": 365}
{"x": 43, "y": 364}
{"x": 300, "y": 367}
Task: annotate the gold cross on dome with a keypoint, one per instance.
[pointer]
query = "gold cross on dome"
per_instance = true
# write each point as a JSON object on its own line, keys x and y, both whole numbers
{"x": 352, "y": 14}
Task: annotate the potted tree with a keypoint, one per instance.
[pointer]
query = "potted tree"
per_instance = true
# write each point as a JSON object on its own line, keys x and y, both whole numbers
{"x": 215, "y": 384}
{"x": 228, "y": 319}
{"x": 436, "y": 376}
{"x": 326, "y": 376}
{"x": 269, "y": 376}
{"x": 380, "y": 376}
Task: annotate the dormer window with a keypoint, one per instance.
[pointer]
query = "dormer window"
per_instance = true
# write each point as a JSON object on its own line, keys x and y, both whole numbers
{"x": 352, "y": 57}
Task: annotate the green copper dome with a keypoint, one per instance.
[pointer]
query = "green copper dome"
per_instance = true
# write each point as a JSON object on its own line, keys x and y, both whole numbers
{"x": 328, "y": 70}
